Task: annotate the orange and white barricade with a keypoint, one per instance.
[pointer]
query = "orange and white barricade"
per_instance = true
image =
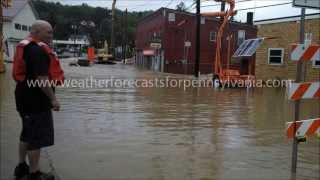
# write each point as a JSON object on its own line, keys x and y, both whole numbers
{"x": 303, "y": 128}
{"x": 307, "y": 90}
{"x": 302, "y": 52}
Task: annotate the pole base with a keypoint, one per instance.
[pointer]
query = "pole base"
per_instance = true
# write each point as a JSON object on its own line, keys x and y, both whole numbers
{"x": 301, "y": 139}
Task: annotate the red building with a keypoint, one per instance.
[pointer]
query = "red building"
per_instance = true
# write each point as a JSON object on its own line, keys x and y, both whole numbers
{"x": 165, "y": 42}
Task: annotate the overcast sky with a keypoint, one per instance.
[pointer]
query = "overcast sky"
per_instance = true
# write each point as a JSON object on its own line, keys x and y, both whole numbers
{"x": 260, "y": 13}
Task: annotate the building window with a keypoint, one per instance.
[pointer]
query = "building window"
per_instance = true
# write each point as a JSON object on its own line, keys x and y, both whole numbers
{"x": 17, "y": 26}
{"x": 275, "y": 56}
{"x": 203, "y": 20}
{"x": 24, "y": 28}
{"x": 172, "y": 17}
{"x": 316, "y": 64}
{"x": 213, "y": 36}
{"x": 241, "y": 37}
{"x": 29, "y": 28}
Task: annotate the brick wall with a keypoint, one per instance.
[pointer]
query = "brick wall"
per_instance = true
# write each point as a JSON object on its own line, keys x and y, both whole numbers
{"x": 285, "y": 33}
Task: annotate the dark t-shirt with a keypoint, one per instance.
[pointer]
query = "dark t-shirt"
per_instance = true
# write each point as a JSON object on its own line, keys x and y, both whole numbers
{"x": 31, "y": 99}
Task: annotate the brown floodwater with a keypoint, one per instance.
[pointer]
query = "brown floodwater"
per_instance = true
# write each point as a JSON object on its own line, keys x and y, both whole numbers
{"x": 165, "y": 133}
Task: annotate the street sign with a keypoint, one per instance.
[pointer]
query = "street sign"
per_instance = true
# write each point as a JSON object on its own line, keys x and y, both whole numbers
{"x": 148, "y": 52}
{"x": 155, "y": 45}
{"x": 314, "y": 4}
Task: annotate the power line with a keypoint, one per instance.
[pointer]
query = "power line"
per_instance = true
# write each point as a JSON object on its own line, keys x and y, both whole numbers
{"x": 259, "y": 7}
{"x": 153, "y": 2}
{"x": 191, "y": 7}
{"x": 241, "y": 1}
{"x": 181, "y": 1}
{"x": 119, "y": 1}
{"x": 139, "y": 5}
{"x": 194, "y": 3}
{"x": 169, "y": 3}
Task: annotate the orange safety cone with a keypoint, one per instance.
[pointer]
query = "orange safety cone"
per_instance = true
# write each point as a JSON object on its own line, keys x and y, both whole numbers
{"x": 91, "y": 54}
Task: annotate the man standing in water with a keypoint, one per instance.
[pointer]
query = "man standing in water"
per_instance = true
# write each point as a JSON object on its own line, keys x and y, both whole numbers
{"x": 35, "y": 61}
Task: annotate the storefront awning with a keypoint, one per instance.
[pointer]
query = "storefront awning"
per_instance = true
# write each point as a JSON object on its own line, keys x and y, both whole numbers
{"x": 148, "y": 52}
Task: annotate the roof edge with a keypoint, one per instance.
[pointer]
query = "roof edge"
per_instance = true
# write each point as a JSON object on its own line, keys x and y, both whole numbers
{"x": 189, "y": 14}
{"x": 33, "y": 8}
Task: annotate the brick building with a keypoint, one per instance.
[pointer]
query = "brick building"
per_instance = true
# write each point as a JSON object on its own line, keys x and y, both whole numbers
{"x": 165, "y": 42}
{"x": 273, "y": 57}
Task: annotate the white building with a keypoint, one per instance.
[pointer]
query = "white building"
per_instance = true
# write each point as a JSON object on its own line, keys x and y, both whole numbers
{"x": 17, "y": 24}
{"x": 78, "y": 40}
{"x": 81, "y": 38}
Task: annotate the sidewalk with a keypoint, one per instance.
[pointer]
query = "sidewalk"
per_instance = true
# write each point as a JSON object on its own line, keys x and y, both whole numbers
{"x": 10, "y": 127}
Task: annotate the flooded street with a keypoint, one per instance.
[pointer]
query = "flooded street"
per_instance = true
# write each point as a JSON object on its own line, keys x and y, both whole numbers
{"x": 164, "y": 133}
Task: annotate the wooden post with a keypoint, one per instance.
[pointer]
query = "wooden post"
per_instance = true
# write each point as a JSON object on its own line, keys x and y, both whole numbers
{"x": 197, "y": 58}
{"x": 2, "y": 69}
{"x": 112, "y": 47}
{"x": 125, "y": 35}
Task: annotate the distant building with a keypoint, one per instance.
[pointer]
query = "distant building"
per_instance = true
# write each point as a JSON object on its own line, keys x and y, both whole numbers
{"x": 83, "y": 38}
{"x": 76, "y": 44}
{"x": 165, "y": 42}
{"x": 273, "y": 57}
{"x": 17, "y": 24}
{"x": 75, "y": 41}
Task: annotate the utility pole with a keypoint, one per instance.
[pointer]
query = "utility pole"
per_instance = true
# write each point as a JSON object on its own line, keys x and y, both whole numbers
{"x": 74, "y": 28}
{"x": 1, "y": 40}
{"x": 113, "y": 29}
{"x": 122, "y": 36}
{"x": 198, "y": 24}
{"x": 125, "y": 34}
{"x": 299, "y": 78}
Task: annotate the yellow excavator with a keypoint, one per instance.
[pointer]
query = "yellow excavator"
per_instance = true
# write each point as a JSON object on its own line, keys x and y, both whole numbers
{"x": 103, "y": 55}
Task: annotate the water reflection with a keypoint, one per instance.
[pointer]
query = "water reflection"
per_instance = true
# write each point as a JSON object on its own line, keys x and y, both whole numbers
{"x": 171, "y": 133}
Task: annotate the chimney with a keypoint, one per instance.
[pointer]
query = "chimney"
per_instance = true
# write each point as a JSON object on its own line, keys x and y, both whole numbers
{"x": 250, "y": 18}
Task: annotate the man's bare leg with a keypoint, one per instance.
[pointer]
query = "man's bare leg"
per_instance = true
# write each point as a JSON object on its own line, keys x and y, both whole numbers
{"x": 34, "y": 157}
{"x": 22, "y": 168}
{"x": 23, "y": 149}
{"x": 35, "y": 173}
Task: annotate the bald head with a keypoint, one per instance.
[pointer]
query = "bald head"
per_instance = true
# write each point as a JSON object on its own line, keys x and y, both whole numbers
{"x": 42, "y": 30}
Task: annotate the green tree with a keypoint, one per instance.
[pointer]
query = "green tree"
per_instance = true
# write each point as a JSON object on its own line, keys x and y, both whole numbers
{"x": 181, "y": 7}
{"x": 63, "y": 16}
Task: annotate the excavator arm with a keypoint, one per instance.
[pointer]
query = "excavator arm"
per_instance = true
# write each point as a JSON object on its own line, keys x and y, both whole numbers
{"x": 227, "y": 14}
